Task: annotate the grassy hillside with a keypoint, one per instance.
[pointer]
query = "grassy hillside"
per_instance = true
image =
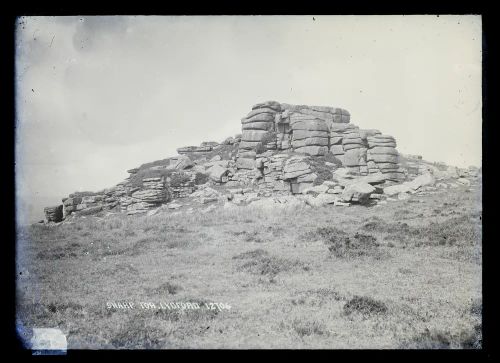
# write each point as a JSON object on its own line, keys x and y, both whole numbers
{"x": 402, "y": 275}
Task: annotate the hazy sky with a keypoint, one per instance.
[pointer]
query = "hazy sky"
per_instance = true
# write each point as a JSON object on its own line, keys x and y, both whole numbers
{"x": 99, "y": 95}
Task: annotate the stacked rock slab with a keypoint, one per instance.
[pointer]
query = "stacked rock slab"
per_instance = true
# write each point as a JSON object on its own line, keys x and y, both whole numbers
{"x": 310, "y": 126}
{"x": 383, "y": 156}
{"x": 54, "y": 213}
{"x": 337, "y": 133}
{"x": 271, "y": 169}
{"x": 309, "y": 134}
{"x": 298, "y": 172}
{"x": 194, "y": 149}
{"x": 258, "y": 133}
{"x": 85, "y": 203}
{"x": 316, "y": 131}
{"x": 152, "y": 193}
{"x": 355, "y": 146}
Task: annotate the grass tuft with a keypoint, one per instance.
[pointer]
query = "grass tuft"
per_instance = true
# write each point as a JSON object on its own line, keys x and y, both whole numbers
{"x": 364, "y": 305}
{"x": 307, "y": 327}
{"x": 443, "y": 339}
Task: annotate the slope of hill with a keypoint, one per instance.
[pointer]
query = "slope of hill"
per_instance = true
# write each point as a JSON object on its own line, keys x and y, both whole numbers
{"x": 304, "y": 231}
{"x": 402, "y": 275}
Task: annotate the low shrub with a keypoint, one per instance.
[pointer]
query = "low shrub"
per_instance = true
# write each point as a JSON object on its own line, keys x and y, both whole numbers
{"x": 168, "y": 288}
{"x": 439, "y": 339}
{"x": 260, "y": 263}
{"x": 261, "y": 146}
{"x": 200, "y": 178}
{"x": 453, "y": 231}
{"x": 364, "y": 305}
{"x": 341, "y": 244}
{"x": 308, "y": 328}
{"x": 179, "y": 178}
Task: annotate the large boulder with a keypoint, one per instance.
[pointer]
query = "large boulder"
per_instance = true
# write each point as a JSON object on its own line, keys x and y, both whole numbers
{"x": 294, "y": 168}
{"x": 283, "y": 202}
{"x": 337, "y": 150}
{"x": 54, "y": 213}
{"x": 357, "y": 192}
{"x": 383, "y": 150}
{"x": 244, "y": 163}
{"x": 420, "y": 181}
{"x": 151, "y": 195}
{"x": 258, "y": 125}
{"x": 261, "y": 110}
{"x": 383, "y": 158}
{"x": 313, "y": 150}
{"x": 194, "y": 149}
{"x": 275, "y": 106}
{"x": 216, "y": 173}
{"x": 355, "y": 157}
{"x": 310, "y": 141}
{"x": 304, "y": 134}
{"x": 309, "y": 124}
{"x": 253, "y": 135}
{"x": 181, "y": 162}
{"x": 373, "y": 179}
{"x": 261, "y": 117}
{"x": 90, "y": 210}
{"x": 396, "y": 189}
{"x": 321, "y": 200}
{"x": 411, "y": 186}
